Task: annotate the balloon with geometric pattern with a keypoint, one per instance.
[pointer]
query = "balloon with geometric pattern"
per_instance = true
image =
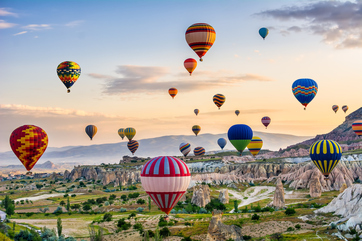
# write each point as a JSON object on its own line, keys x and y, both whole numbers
{"x": 335, "y": 108}
{"x": 219, "y": 100}
{"x": 199, "y": 151}
{"x": 68, "y": 72}
{"x": 345, "y": 108}
{"x": 357, "y": 127}
{"x": 185, "y": 148}
{"x": 91, "y": 130}
{"x": 255, "y": 145}
{"x": 132, "y": 146}
{"x": 28, "y": 143}
{"x": 305, "y": 90}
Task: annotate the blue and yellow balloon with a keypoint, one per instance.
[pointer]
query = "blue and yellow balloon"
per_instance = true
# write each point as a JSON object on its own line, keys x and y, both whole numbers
{"x": 305, "y": 90}
{"x": 263, "y": 32}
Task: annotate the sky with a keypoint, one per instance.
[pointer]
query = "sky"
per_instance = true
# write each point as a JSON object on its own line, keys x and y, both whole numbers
{"x": 132, "y": 52}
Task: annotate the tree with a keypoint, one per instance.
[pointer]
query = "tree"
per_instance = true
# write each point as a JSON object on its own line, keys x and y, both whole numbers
{"x": 39, "y": 186}
{"x": 62, "y": 203}
{"x": 290, "y": 211}
{"x": 95, "y": 235}
{"x": 87, "y": 207}
{"x": 68, "y": 204}
{"x": 149, "y": 204}
{"x": 27, "y": 235}
{"x": 165, "y": 232}
{"x": 75, "y": 206}
{"x": 236, "y": 206}
{"x": 141, "y": 201}
{"x": 255, "y": 217}
{"x": 276, "y": 236}
{"x": 59, "y": 227}
{"x": 107, "y": 217}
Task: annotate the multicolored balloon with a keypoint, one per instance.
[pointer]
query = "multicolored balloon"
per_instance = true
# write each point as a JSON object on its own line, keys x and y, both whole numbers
{"x": 121, "y": 133}
{"x": 68, "y": 72}
{"x": 219, "y": 100}
{"x": 357, "y": 127}
{"x": 266, "y": 121}
{"x": 335, "y": 108}
{"x": 325, "y": 154}
{"x": 305, "y": 90}
{"x": 165, "y": 179}
{"x": 200, "y": 37}
{"x": 190, "y": 65}
{"x": 263, "y": 32}
{"x": 132, "y": 146}
{"x": 221, "y": 142}
{"x": 255, "y": 145}
{"x": 345, "y": 108}
{"x": 240, "y": 136}
{"x": 28, "y": 143}
{"x": 172, "y": 92}
{"x": 196, "y": 111}
{"x": 237, "y": 112}
{"x": 196, "y": 129}
{"x": 185, "y": 148}
{"x": 91, "y": 130}
{"x": 130, "y": 132}
{"x": 199, "y": 151}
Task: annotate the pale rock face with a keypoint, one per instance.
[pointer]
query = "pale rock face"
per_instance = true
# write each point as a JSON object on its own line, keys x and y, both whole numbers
{"x": 349, "y": 205}
{"x": 201, "y": 195}
{"x": 344, "y": 187}
{"x": 224, "y": 196}
{"x": 219, "y": 232}
{"x": 279, "y": 199}
{"x": 315, "y": 188}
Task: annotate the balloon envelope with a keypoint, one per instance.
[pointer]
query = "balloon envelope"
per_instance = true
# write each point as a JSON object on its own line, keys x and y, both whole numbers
{"x": 200, "y": 37}
{"x": 68, "y": 72}
{"x": 221, "y": 142}
{"x": 266, "y": 121}
{"x": 185, "y": 148}
{"x": 196, "y": 111}
{"x": 190, "y": 65}
{"x": 357, "y": 127}
{"x": 132, "y": 146}
{"x": 165, "y": 179}
{"x": 305, "y": 90}
{"x": 172, "y": 92}
{"x": 121, "y": 133}
{"x": 219, "y": 100}
{"x": 91, "y": 130}
{"x": 196, "y": 129}
{"x": 325, "y": 154}
{"x": 335, "y": 108}
{"x": 28, "y": 143}
{"x": 130, "y": 132}
{"x": 263, "y": 32}
{"x": 240, "y": 136}
{"x": 199, "y": 151}
{"x": 255, "y": 145}
{"x": 237, "y": 112}
{"x": 345, "y": 108}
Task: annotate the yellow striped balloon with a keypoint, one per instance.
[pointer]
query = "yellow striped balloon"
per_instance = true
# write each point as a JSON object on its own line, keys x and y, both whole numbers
{"x": 219, "y": 100}
{"x": 121, "y": 133}
{"x": 130, "y": 133}
{"x": 91, "y": 130}
{"x": 357, "y": 127}
{"x": 172, "y": 92}
{"x": 190, "y": 65}
{"x": 255, "y": 145}
{"x": 196, "y": 129}
{"x": 325, "y": 155}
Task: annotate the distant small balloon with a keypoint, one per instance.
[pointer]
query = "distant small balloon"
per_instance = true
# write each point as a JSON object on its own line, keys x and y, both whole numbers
{"x": 335, "y": 108}
{"x": 196, "y": 129}
{"x": 237, "y": 112}
{"x": 357, "y": 127}
{"x": 219, "y": 100}
{"x": 345, "y": 108}
{"x": 91, "y": 130}
{"x": 221, "y": 142}
{"x": 266, "y": 121}
{"x": 130, "y": 132}
{"x": 199, "y": 151}
{"x": 172, "y": 92}
{"x": 132, "y": 146}
{"x": 121, "y": 133}
{"x": 196, "y": 111}
{"x": 190, "y": 65}
{"x": 185, "y": 148}
{"x": 263, "y": 32}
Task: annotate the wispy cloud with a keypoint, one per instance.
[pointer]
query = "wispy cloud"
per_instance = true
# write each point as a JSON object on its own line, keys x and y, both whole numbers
{"x": 74, "y": 23}
{"x": 145, "y": 79}
{"x": 5, "y": 12}
{"x": 20, "y": 33}
{"x": 339, "y": 23}
{"x": 4, "y": 24}
{"x": 36, "y": 27}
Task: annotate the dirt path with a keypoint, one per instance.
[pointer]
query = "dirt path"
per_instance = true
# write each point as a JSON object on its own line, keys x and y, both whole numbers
{"x": 44, "y": 196}
{"x": 253, "y": 194}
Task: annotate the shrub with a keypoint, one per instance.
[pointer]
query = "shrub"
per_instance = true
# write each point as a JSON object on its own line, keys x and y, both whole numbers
{"x": 289, "y": 229}
{"x": 202, "y": 210}
{"x": 140, "y": 209}
{"x": 107, "y": 217}
{"x": 186, "y": 239}
{"x": 29, "y": 214}
{"x": 58, "y": 211}
{"x": 215, "y": 204}
{"x": 297, "y": 226}
{"x": 255, "y": 217}
{"x": 165, "y": 232}
{"x": 138, "y": 226}
{"x": 123, "y": 210}
{"x": 141, "y": 201}
{"x": 246, "y": 237}
{"x": 133, "y": 214}
{"x": 290, "y": 211}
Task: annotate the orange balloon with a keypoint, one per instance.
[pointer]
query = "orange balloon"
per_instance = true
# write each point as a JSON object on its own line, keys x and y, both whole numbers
{"x": 172, "y": 92}
{"x": 190, "y": 65}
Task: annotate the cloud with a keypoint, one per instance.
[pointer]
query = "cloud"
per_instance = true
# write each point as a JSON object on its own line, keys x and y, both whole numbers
{"x": 4, "y": 12}
{"x": 4, "y": 24}
{"x": 74, "y": 23}
{"x": 339, "y": 23}
{"x": 23, "y": 32}
{"x": 37, "y": 27}
{"x": 145, "y": 79}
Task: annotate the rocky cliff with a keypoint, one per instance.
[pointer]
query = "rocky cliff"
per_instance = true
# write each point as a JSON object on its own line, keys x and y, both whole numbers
{"x": 219, "y": 231}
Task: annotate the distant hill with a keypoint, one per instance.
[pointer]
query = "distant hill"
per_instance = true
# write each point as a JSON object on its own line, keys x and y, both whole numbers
{"x": 164, "y": 145}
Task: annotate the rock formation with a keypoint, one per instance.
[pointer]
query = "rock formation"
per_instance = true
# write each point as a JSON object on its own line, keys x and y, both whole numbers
{"x": 224, "y": 196}
{"x": 201, "y": 195}
{"x": 218, "y": 231}
{"x": 278, "y": 200}
{"x": 348, "y": 205}
{"x": 344, "y": 187}
{"x": 315, "y": 188}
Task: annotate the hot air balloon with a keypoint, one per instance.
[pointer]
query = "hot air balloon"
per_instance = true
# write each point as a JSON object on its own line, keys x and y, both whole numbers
{"x": 132, "y": 146}
{"x": 325, "y": 154}
{"x": 121, "y": 133}
{"x": 237, "y": 112}
{"x": 28, "y": 143}
{"x": 357, "y": 127}
{"x": 199, "y": 151}
{"x": 196, "y": 111}
{"x": 172, "y": 92}
{"x": 196, "y": 129}
{"x": 219, "y": 100}
{"x": 305, "y": 90}
{"x": 240, "y": 136}
{"x": 185, "y": 148}
{"x": 345, "y": 108}
{"x": 190, "y": 65}
{"x": 200, "y": 37}
{"x": 68, "y": 72}
{"x": 221, "y": 142}
{"x": 165, "y": 179}
{"x": 335, "y": 108}
{"x": 255, "y": 145}
{"x": 266, "y": 121}
{"x": 263, "y": 32}
{"x": 130, "y": 133}
{"x": 91, "y": 130}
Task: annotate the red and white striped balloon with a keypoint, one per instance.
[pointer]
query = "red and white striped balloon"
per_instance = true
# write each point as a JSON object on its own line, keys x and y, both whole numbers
{"x": 266, "y": 121}
{"x": 165, "y": 179}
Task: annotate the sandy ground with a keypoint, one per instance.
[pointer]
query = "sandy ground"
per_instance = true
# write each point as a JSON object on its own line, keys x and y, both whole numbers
{"x": 44, "y": 196}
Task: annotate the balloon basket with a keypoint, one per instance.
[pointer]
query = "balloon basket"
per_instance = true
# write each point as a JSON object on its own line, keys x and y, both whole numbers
{"x": 167, "y": 218}
{"x": 68, "y": 90}
{"x": 29, "y": 173}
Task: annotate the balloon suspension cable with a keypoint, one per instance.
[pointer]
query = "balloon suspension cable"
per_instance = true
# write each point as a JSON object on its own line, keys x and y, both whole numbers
{"x": 68, "y": 90}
